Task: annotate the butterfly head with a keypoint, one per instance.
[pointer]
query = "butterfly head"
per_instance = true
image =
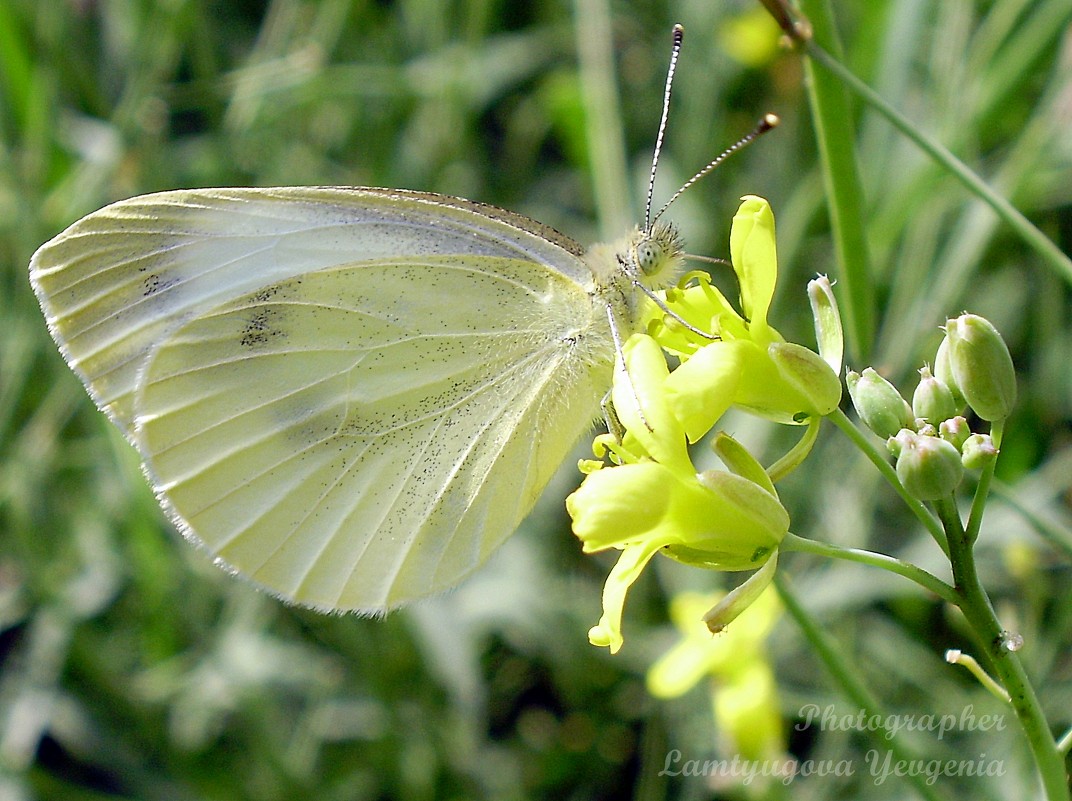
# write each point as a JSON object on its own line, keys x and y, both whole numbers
{"x": 654, "y": 258}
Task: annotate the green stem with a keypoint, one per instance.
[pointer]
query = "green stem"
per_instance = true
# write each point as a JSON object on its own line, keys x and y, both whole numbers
{"x": 880, "y": 461}
{"x": 909, "y": 571}
{"x": 793, "y": 458}
{"x": 957, "y": 657}
{"x": 847, "y": 679}
{"x": 1032, "y": 236}
{"x": 982, "y": 489}
{"x": 980, "y": 615}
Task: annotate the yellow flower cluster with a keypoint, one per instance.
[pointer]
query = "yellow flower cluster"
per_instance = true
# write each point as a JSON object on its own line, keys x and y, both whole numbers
{"x": 644, "y": 496}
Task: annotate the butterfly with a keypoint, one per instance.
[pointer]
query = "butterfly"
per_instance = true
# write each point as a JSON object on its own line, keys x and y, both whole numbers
{"x": 350, "y": 396}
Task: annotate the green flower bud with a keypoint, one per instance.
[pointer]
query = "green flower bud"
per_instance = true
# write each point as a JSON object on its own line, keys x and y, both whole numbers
{"x": 828, "y": 332}
{"x": 809, "y": 375}
{"x": 878, "y": 403}
{"x": 928, "y": 467}
{"x": 978, "y": 451}
{"x": 943, "y": 371}
{"x": 982, "y": 366}
{"x": 755, "y": 519}
{"x": 954, "y": 431}
{"x": 895, "y": 443}
{"x": 932, "y": 401}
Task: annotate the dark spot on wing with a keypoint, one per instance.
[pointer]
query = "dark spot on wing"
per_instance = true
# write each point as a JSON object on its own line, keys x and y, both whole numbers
{"x": 154, "y": 284}
{"x": 265, "y": 295}
{"x": 150, "y": 285}
{"x": 266, "y": 321}
{"x": 261, "y": 328}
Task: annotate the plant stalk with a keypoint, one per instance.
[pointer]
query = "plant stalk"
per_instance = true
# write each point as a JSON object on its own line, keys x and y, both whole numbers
{"x": 977, "y": 609}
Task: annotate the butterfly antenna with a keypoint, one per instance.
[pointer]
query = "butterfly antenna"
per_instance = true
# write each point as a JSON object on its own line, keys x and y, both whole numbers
{"x": 767, "y": 123}
{"x": 675, "y": 51}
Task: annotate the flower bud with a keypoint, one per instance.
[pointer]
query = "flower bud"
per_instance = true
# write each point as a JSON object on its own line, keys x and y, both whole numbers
{"x": 981, "y": 364}
{"x": 928, "y": 467}
{"x": 954, "y": 431}
{"x": 925, "y": 429}
{"x": 808, "y": 374}
{"x": 895, "y": 443}
{"x": 932, "y": 401}
{"x": 978, "y": 451}
{"x": 943, "y": 371}
{"x": 828, "y": 332}
{"x": 878, "y": 403}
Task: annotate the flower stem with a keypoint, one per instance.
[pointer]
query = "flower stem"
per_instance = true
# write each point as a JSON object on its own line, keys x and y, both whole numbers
{"x": 793, "y": 458}
{"x": 980, "y": 615}
{"x": 879, "y": 460}
{"x": 1065, "y": 743}
{"x": 982, "y": 489}
{"x": 955, "y": 656}
{"x": 931, "y": 583}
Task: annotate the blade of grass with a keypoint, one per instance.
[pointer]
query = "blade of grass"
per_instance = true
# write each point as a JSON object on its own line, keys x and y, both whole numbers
{"x": 835, "y": 133}
{"x": 606, "y": 141}
{"x": 846, "y": 677}
{"x": 1043, "y": 246}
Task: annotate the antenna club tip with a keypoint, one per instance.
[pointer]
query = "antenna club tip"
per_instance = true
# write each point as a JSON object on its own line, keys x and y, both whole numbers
{"x": 679, "y": 32}
{"x": 767, "y": 122}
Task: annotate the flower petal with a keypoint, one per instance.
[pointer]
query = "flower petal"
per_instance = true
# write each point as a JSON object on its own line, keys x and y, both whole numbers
{"x": 608, "y": 631}
{"x": 755, "y": 259}
{"x": 619, "y": 505}
{"x": 701, "y": 390}
{"x": 747, "y": 710}
{"x": 702, "y": 306}
{"x": 678, "y": 670}
{"x": 640, "y": 401}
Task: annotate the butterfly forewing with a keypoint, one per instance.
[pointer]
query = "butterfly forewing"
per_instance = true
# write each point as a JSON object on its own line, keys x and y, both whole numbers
{"x": 114, "y": 283}
{"x": 350, "y": 396}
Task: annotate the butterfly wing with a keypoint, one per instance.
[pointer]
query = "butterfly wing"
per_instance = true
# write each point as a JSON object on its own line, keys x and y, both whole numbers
{"x": 349, "y": 396}
{"x": 117, "y": 281}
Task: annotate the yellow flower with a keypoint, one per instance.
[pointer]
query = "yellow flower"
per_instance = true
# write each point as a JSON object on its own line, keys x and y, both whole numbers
{"x": 744, "y": 693}
{"x": 750, "y": 364}
{"x": 654, "y": 500}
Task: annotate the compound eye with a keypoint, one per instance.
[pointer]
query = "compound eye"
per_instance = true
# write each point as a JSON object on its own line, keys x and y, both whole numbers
{"x": 649, "y": 256}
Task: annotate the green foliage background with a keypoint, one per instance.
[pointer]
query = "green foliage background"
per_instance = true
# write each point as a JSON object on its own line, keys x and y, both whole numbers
{"x": 133, "y": 669}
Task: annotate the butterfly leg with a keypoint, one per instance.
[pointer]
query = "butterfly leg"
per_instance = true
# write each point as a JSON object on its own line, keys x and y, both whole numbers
{"x": 619, "y": 364}
{"x": 611, "y": 419}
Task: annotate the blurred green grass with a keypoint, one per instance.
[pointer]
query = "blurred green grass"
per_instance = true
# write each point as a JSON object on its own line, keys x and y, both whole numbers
{"x": 131, "y": 668}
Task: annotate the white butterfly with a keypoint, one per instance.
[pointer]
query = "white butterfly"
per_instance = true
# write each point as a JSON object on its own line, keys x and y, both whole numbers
{"x": 350, "y": 396}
